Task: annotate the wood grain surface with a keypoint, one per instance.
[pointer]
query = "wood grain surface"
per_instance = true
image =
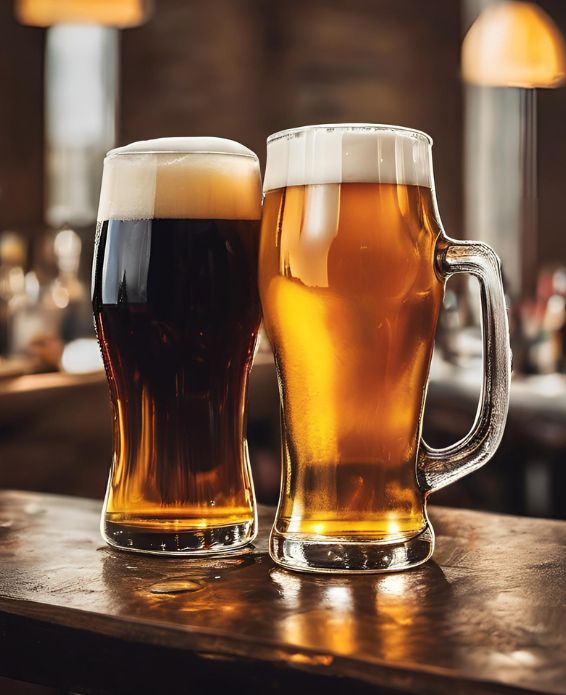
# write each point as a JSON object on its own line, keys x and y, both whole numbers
{"x": 487, "y": 616}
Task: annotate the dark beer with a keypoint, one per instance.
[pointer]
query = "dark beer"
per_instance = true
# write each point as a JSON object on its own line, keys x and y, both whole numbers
{"x": 177, "y": 314}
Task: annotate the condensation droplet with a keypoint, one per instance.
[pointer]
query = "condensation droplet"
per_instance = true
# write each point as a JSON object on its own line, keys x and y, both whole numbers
{"x": 175, "y": 586}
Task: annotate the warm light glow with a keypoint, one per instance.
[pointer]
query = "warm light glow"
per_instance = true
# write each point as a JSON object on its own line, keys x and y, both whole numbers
{"x": 394, "y": 528}
{"x": 303, "y": 313}
{"x": 60, "y": 295}
{"x": 82, "y": 356}
{"x": 110, "y": 13}
{"x": 289, "y": 587}
{"x": 393, "y": 585}
{"x": 339, "y": 597}
{"x": 514, "y": 44}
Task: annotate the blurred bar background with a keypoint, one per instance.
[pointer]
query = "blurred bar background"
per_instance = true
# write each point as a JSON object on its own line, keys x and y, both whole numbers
{"x": 243, "y": 70}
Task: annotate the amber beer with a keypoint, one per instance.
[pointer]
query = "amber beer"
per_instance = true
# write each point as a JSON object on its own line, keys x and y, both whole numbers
{"x": 351, "y": 302}
{"x": 353, "y": 261}
{"x": 177, "y": 314}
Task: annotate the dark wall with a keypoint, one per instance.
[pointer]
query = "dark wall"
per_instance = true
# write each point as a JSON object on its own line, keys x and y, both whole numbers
{"x": 552, "y": 160}
{"x": 248, "y": 68}
{"x": 21, "y": 124}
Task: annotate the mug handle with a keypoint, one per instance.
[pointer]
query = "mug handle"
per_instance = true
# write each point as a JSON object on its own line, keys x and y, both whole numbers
{"x": 437, "y": 468}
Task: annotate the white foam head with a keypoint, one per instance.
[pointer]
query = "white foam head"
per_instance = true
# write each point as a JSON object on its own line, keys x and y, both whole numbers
{"x": 182, "y": 178}
{"x": 348, "y": 153}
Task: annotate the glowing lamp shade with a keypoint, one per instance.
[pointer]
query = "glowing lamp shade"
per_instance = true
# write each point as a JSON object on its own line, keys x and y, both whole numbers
{"x": 514, "y": 44}
{"x": 110, "y": 13}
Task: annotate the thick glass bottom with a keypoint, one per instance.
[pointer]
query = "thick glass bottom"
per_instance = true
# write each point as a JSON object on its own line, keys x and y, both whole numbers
{"x": 195, "y": 542}
{"x": 338, "y": 556}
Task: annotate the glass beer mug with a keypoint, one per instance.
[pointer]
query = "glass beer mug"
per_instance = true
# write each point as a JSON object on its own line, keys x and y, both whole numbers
{"x": 352, "y": 268}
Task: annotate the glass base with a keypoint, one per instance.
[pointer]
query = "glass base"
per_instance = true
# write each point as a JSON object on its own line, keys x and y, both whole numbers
{"x": 188, "y": 543}
{"x": 338, "y": 556}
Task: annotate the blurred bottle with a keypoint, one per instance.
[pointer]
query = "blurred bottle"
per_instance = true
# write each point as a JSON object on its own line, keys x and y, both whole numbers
{"x": 542, "y": 322}
{"x": 459, "y": 338}
{"x": 67, "y": 292}
{"x": 53, "y": 307}
{"x": 12, "y": 286}
{"x": 31, "y": 336}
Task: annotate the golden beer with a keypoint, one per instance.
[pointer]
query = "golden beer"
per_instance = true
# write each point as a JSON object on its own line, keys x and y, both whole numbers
{"x": 351, "y": 311}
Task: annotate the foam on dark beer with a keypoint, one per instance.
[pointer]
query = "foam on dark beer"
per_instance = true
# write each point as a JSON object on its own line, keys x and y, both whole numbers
{"x": 348, "y": 153}
{"x": 181, "y": 178}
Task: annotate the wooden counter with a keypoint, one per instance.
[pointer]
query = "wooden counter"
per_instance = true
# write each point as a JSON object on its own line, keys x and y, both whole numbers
{"x": 488, "y": 616}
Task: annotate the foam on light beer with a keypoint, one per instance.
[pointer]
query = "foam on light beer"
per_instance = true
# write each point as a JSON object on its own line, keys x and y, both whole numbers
{"x": 181, "y": 178}
{"x": 348, "y": 153}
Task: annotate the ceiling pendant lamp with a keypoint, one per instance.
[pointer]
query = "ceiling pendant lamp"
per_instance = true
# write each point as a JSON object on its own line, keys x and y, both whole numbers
{"x": 514, "y": 44}
{"x": 110, "y": 13}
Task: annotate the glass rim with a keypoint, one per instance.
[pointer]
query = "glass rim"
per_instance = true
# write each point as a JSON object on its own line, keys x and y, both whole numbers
{"x": 350, "y": 127}
{"x": 115, "y": 153}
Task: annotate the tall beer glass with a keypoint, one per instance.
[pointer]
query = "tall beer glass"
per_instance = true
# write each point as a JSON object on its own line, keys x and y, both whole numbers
{"x": 353, "y": 262}
{"x": 177, "y": 313}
